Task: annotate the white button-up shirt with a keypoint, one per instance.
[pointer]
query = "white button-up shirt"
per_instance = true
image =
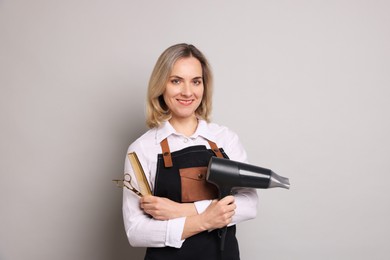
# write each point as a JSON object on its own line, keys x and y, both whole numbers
{"x": 144, "y": 231}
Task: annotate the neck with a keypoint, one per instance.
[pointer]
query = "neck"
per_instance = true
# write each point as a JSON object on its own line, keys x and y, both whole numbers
{"x": 185, "y": 126}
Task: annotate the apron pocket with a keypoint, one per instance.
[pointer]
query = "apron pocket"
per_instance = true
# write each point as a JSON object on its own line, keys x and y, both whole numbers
{"x": 194, "y": 186}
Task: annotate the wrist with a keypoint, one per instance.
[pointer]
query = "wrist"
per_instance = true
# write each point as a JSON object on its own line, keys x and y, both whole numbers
{"x": 203, "y": 222}
{"x": 186, "y": 210}
{"x": 193, "y": 225}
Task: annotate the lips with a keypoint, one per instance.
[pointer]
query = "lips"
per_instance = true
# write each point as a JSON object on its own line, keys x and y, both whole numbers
{"x": 185, "y": 102}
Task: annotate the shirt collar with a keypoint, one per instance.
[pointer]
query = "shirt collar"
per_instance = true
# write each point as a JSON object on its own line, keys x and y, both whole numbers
{"x": 204, "y": 131}
{"x": 166, "y": 129}
{"x": 163, "y": 131}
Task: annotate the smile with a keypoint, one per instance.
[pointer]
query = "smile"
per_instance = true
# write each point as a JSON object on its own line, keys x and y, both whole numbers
{"x": 185, "y": 102}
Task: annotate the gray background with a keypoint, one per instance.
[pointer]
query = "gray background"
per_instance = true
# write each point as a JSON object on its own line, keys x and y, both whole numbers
{"x": 304, "y": 83}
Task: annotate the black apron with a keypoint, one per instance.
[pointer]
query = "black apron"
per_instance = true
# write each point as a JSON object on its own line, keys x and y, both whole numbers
{"x": 180, "y": 177}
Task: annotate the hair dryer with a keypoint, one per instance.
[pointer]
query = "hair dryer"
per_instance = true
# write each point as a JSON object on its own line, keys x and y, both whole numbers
{"x": 226, "y": 174}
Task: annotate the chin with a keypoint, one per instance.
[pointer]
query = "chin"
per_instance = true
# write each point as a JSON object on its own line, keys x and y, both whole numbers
{"x": 184, "y": 115}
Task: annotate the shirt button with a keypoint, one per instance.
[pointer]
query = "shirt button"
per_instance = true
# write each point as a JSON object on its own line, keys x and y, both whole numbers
{"x": 185, "y": 140}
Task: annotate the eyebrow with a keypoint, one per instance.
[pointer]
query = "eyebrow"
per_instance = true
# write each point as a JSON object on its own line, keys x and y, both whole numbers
{"x": 178, "y": 77}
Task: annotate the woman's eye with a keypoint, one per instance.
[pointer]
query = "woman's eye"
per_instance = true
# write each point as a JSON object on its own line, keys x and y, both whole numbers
{"x": 175, "y": 81}
{"x": 197, "y": 82}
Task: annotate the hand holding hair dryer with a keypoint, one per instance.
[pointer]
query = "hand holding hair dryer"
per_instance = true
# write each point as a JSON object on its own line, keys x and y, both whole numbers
{"x": 226, "y": 174}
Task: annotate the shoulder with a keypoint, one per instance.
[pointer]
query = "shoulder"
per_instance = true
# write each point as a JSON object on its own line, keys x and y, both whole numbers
{"x": 144, "y": 142}
{"x": 221, "y": 131}
{"x": 228, "y": 139}
{"x": 146, "y": 148}
{"x": 222, "y": 135}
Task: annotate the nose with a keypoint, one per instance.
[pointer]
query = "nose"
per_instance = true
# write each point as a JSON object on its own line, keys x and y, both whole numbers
{"x": 186, "y": 90}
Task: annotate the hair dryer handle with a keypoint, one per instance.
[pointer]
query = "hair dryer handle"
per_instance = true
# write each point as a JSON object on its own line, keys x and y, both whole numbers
{"x": 224, "y": 191}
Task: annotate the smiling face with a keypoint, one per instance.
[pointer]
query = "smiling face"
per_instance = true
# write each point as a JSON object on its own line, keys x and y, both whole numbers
{"x": 184, "y": 89}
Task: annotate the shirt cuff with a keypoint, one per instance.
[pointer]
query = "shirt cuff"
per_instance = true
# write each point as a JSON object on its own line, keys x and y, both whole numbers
{"x": 202, "y": 205}
{"x": 174, "y": 232}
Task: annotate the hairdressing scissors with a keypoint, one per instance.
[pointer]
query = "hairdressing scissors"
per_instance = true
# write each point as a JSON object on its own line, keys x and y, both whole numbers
{"x": 126, "y": 182}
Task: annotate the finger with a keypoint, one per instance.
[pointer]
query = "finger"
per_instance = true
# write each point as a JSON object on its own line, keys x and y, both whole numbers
{"x": 229, "y": 216}
{"x": 232, "y": 205}
{"x": 145, "y": 202}
{"x": 147, "y": 199}
{"x": 214, "y": 201}
{"x": 228, "y": 199}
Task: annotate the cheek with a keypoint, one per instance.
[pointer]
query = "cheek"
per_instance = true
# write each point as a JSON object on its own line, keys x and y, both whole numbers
{"x": 170, "y": 91}
{"x": 169, "y": 96}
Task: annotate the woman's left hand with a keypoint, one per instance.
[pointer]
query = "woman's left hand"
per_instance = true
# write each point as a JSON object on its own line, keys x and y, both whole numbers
{"x": 163, "y": 209}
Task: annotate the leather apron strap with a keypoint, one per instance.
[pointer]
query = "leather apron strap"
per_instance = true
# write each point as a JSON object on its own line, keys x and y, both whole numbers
{"x": 167, "y": 153}
{"x": 215, "y": 149}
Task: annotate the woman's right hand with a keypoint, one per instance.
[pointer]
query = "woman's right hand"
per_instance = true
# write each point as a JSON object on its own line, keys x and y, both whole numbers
{"x": 219, "y": 213}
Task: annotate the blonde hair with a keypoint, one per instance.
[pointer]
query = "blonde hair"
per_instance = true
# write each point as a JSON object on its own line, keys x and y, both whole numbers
{"x": 156, "y": 109}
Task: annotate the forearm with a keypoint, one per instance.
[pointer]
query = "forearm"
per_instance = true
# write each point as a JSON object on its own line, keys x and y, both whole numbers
{"x": 246, "y": 200}
{"x": 217, "y": 215}
{"x": 141, "y": 229}
{"x": 192, "y": 226}
{"x": 145, "y": 230}
{"x": 164, "y": 209}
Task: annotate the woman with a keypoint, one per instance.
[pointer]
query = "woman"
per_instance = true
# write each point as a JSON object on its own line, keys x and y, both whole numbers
{"x": 182, "y": 219}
